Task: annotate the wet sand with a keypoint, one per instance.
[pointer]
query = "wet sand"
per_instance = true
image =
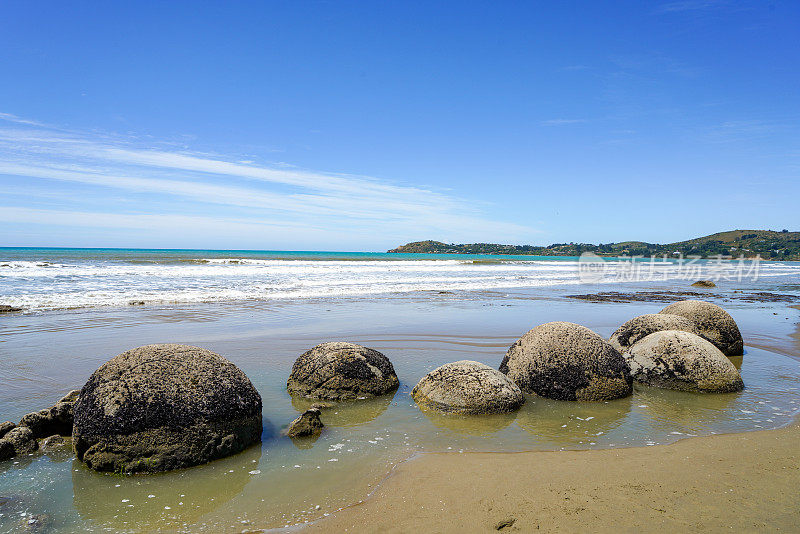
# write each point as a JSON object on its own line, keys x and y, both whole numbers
{"x": 734, "y": 482}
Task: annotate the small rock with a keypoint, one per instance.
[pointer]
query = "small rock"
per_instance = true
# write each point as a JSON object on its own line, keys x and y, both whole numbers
{"x": 308, "y": 424}
{"x": 136, "y": 303}
{"x": 21, "y": 439}
{"x": 52, "y": 442}
{"x": 54, "y": 420}
{"x": 505, "y": 523}
{"x": 6, "y": 427}
{"x": 5, "y": 308}
{"x": 704, "y": 283}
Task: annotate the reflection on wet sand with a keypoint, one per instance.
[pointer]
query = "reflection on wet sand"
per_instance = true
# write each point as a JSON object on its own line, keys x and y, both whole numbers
{"x": 474, "y": 425}
{"x": 162, "y": 501}
{"x": 568, "y": 423}
{"x": 347, "y": 413}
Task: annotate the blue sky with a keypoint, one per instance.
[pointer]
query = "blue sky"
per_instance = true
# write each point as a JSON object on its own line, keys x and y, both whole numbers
{"x": 363, "y": 125}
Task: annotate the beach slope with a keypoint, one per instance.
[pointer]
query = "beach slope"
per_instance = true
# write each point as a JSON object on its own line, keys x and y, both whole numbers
{"x": 734, "y": 482}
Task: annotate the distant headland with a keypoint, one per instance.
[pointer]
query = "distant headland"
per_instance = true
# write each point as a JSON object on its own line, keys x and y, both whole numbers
{"x": 769, "y": 244}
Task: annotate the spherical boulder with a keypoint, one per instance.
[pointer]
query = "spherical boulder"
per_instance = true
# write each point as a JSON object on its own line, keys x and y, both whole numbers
{"x": 338, "y": 370}
{"x": 643, "y": 325}
{"x": 566, "y": 361}
{"x": 467, "y": 387}
{"x": 681, "y": 360}
{"x": 162, "y": 407}
{"x": 714, "y": 323}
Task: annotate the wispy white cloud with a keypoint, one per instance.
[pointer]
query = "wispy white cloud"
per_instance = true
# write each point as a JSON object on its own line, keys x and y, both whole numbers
{"x": 561, "y": 122}
{"x": 690, "y": 5}
{"x": 229, "y": 191}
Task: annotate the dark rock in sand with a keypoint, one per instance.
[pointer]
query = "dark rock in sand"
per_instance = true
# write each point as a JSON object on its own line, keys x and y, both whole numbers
{"x": 704, "y": 283}
{"x": 163, "y": 407}
{"x": 6, "y": 427}
{"x": 467, "y": 387}
{"x": 21, "y": 440}
{"x": 566, "y": 361}
{"x": 5, "y": 308}
{"x": 682, "y": 360}
{"x": 713, "y": 323}
{"x": 639, "y": 327}
{"x": 54, "y": 420}
{"x": 308, "y": 424}
{"x": 339, "y": 371}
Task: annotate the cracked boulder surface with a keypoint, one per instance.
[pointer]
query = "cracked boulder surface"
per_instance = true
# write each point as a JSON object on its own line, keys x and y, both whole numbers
{"x": 163, "y": 407}
{"x": 681, "y": 360}
{"x": 644, "y": 325}
{"x": 338, "y": 370}
{"x": 713, "y": 323}
{"x": 567, "y": 361}
{"x": 467, "y": 387}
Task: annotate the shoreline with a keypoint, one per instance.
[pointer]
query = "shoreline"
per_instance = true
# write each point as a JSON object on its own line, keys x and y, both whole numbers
{"x": 743, "y": 481}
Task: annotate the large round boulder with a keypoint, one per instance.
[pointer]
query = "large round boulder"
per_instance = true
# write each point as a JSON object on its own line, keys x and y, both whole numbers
{"x": 163, "y": 407}
{"x": 467, "y": 387}
{"x": 713, "y": 323}
{"x": 681, "y": 360}
{"x": 566, "y": 361}
{"x": 644, "y": 325}
{"x": 339, "y": 371}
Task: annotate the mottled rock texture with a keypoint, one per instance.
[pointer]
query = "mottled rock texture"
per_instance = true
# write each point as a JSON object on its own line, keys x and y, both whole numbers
{"x": 308, "y": 424}
{"x": 566, "y": 361}
{"x": 704, "y": 283}
{"x": 6, "y": 427}
{"x": 681, "y": 360}
{"x": 468, "y": 387}
{"x": 714, "y": 324}
{"x": 162, "y": 407}
{"x": 19, "y": 440}
{"x": 338, "y": 371}
{"x": 54, "y": 420}
{"x": 644, "y": 325}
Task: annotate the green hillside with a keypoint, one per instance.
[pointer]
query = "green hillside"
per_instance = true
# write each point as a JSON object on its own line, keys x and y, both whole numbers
{"x": 769, "y": 244}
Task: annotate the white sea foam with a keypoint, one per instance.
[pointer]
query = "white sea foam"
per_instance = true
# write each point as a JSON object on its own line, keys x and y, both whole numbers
{"x": 38, "y": 284}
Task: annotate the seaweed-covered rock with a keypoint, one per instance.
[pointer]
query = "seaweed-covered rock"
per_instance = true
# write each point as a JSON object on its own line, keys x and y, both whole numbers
{"x": 704, "y": 283}
{"x": 54, "y": 420}
{"x": 643, "y": 325}
{"x": 566, "y": 361}
{"x": 5, "y": 427}
{"x": 467, "y": 387}
{"x": 163, "y": 407}
{"x": 308, "y": 424}
{"x": 338, "y": 370}
{"x": 20, "y": 439}
{"x": 714, "y": 324}
{"x": 681, "y": 360}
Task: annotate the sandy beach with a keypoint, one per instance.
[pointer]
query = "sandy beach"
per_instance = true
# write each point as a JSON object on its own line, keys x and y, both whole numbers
{"x": 734, "y": 482}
